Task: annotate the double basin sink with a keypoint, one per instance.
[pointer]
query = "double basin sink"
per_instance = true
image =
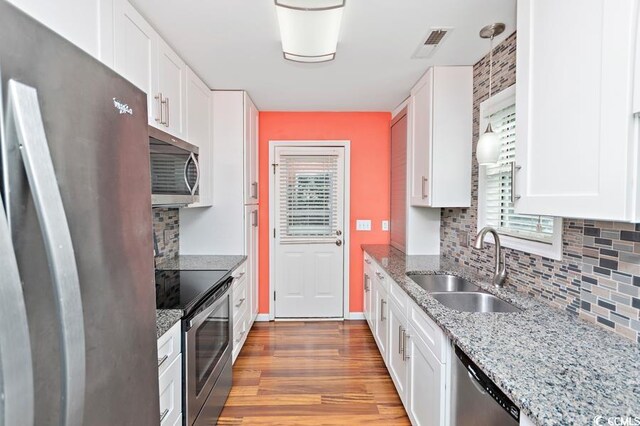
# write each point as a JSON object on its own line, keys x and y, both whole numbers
{"x": 460, "y": 294}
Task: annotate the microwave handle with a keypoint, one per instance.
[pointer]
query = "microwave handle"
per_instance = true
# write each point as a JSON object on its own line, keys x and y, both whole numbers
{"x": 192, "y": 190}
{"x": 197, "y": 184}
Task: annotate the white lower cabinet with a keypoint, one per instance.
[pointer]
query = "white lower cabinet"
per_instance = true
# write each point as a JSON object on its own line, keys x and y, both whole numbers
{"x": 381, "y": 317}
{"x": 425, "y": 403}
{"x": 368, "y": 295}
{"x": 170, "y": 376}
{"x": 413, "y": 347}
{"x": 241, "y": 310}
{"x": 398, "y": 354}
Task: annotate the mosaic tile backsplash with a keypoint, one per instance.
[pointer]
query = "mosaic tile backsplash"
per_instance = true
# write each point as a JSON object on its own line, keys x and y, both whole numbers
{"x": 166, "y": 227}
{"x": 597, "y": 279}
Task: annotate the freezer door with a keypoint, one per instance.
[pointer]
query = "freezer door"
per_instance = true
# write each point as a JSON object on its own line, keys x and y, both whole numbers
{"x": 95, "y": 127}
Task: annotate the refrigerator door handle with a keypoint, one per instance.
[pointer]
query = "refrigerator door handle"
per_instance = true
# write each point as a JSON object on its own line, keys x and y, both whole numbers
{"x": 16, "y": 368}
{"x": 25, "y": 129}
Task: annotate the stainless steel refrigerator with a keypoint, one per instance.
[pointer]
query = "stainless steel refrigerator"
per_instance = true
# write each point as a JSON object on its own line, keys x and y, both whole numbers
{"x": 77, "y": 302}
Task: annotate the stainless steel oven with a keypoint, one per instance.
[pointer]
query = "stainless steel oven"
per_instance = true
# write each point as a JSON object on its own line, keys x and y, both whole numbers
{"x": 207, "y": 338}
{"x": 175, "y": 171}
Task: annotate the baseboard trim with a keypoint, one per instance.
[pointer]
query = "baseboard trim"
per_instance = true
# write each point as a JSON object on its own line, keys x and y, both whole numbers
{"x": 356, "y": 316}
{"x": 262, "y": 317}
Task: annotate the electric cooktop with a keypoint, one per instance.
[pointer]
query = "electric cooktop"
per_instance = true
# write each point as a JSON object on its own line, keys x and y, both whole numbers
{"x": 184, "y": 290}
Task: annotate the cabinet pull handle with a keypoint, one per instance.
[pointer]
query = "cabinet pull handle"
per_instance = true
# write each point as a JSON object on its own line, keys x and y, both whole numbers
{"x": 366, "y": 282}
{"x": 400, "y": 341}
{"x": 162, "y": 360}
{"x": 241, "y": 335}
{"x": 241, "y": 302}
{"x": 367, "y": 261}
{"x": 158, "y": 98}
{"x": 164, "y": 414}
{"x": 380, "y": 276}
{"x": 240, "y": 275}
{"x": 254, "y": 190}
{"x": 167, "y": 107}
{"x": 424, "y": 184}
{"x": 405, "y": 336}
{"x": 382, "y": 303}
{"x": 254, "y": 218}
{"x": 514, "y": 169}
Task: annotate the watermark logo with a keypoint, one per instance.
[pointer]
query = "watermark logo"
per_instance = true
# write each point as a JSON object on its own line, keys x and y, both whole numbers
{"x": 123, "y": 108}
{"x": 616, "y": 421}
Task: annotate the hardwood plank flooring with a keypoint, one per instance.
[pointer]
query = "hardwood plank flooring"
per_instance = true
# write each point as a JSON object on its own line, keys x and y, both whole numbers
{"x": 312, "y": 373}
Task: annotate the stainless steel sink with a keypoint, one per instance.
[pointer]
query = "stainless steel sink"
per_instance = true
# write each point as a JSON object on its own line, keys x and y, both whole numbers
{"x": 474, "y": 302}
{"x": 443, "y": 283}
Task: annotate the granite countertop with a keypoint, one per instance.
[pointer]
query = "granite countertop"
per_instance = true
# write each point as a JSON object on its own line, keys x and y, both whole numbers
{"x": 166, "y": 318}
{"x": 558, "y": 369}
{"x": 202, "y": 262}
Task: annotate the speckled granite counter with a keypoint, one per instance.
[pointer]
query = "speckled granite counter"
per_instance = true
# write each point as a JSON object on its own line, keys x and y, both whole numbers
{"x": 558, "y": 369}
{"x": 202, "y": 262}
{"x": 165, "y": 319}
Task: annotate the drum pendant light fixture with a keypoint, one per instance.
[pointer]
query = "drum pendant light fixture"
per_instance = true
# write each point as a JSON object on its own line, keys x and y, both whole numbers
{"x": 488, "y": 148}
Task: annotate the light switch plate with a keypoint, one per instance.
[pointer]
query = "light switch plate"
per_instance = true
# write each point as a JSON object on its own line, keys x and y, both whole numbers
{"x": 385, "y": 225}
{"x": 363, "y": 225}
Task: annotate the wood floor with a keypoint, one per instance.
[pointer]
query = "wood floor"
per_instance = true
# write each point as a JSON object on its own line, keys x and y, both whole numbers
{"x": 312, "y": 373}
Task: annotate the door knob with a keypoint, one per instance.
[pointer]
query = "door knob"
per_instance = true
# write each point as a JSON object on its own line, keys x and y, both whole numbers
{"x": 338, "y": 243}
{"x": 338, "y": 232}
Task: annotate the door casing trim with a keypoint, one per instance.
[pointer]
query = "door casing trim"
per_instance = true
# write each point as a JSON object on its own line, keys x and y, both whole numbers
{"x": 300, "y": 143}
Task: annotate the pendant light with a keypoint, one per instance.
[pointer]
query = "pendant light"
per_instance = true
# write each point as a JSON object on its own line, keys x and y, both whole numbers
{"x": 488, "y": 148}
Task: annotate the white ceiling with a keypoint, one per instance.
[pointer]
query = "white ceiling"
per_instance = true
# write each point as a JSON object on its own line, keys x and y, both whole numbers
{"x": 235, "y": 44}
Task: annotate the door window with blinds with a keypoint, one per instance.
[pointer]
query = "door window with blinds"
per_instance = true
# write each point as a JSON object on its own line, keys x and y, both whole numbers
{"x": 530, "y": 233}
{"x": 309, "y": 199}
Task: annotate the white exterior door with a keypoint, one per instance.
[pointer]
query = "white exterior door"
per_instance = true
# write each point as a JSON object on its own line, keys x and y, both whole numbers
{"x": 309, "y": 226}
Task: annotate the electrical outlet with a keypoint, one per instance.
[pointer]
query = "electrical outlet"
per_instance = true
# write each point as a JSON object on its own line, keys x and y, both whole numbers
{"x": 385, "y": 225}
{"x": 363, "y": 225}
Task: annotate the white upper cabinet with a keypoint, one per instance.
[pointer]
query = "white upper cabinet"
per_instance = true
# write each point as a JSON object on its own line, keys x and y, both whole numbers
{"x": 577, "y": 135}
{"x": 171, "y": 93}
{"x": 199, "y": 118}
{"x": 133, "y": 50}
{"x": 251, "y": 151}
{"x": 136, "y": 51}
{"x": 439, "y": 143}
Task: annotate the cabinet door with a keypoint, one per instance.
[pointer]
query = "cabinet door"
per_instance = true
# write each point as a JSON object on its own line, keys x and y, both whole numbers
{"x": 382, "y": 319}
{"x": 575, "y": 127}
{"x": 134, "y": 52}
{"x": 251, "y": 151}
{"x": 171, "y": 86}
{"x": 251, "y": 234}
{"x": 426, "y": 385}
{"x": 199, "y": 118}
{"x": 367, "y": 296}
{"x": 420, "y": 117}
{"x": 170, "y": 383}
{"x": 397, "y": 362}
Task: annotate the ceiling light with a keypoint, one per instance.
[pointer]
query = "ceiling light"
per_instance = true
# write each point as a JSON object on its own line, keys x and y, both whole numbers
{"x": 309, "y": 28}
{"x": 488, "y": 148}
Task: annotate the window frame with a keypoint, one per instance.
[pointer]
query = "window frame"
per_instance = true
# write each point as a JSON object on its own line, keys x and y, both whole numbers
{"x": 495, "y": 103}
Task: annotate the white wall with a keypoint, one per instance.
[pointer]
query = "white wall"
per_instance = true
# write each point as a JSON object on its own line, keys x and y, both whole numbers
{"x": 76, "y": 20}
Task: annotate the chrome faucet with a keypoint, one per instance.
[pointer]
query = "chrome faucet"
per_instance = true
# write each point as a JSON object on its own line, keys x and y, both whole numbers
{"x": 501, "y": 268}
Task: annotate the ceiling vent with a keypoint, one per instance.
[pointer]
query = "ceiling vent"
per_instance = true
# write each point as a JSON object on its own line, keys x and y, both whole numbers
{"x": 431, "y": 42}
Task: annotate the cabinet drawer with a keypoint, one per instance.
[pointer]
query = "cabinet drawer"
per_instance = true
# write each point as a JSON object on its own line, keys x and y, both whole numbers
{"x": 428, "y": 331}
{"x": 171, "y": 392}
{"x": 240, "y": 299}
{"x": 169, "y": 347}
{"x": 240, "y": 331}
{"x": 382, "y": 277}
{"x": 398, "y": 295}
{"x": 240, "y": 271}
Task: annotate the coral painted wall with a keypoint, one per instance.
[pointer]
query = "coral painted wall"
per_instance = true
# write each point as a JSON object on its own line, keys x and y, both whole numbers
{"x": 370, "y": 161}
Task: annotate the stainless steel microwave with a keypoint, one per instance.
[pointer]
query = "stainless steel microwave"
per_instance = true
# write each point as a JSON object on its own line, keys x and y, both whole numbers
{"x": 175, "y": 172}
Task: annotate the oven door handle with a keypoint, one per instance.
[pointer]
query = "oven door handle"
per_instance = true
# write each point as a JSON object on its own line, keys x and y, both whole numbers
{"x": 202, "y": 316}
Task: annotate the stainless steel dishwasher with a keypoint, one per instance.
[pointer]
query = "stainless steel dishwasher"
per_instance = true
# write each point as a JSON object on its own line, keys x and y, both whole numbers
{"x": 475, "y": 399}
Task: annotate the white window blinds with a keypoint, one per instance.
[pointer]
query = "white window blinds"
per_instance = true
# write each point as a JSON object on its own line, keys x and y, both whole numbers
{"x": 308, "y": 198}
{"x": 499, "y": 211}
